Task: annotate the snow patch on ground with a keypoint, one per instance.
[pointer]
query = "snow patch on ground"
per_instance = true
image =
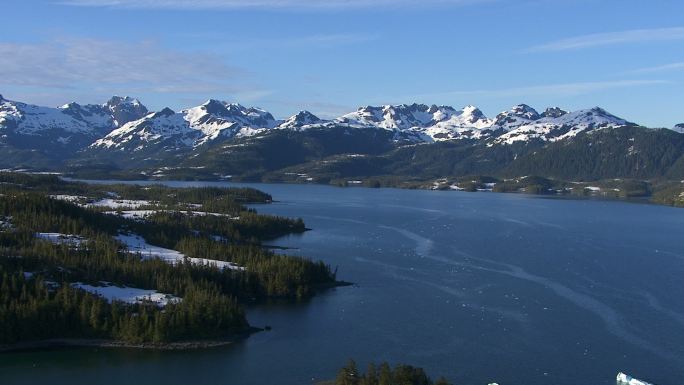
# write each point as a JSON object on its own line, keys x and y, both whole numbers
{"x": 69, "y": 198}
{"x": 5, "y": 223}
{"x": 120, "y": 203}
{"x": 128, "y": 294}
{"x": 142, "y": 214}
{"x": 132, "y": 214}
{"x": 136, "y": 244}
{"x": 61, "y": 239}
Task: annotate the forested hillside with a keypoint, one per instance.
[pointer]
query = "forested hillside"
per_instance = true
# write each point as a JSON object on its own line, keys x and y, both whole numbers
{"x": 195, "y": 253}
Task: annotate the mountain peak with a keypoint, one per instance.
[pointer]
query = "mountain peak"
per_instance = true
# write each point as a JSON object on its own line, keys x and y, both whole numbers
{"x": 524, "y": 110}
{"x": 300, "y": 119}
{"x": 165, "y": 112}
{"x": 553, "y": 112}
{"x": 472, "y": 110}
{"x": 305, "y": 114}
{"x": 213, "y": 106}
{"x": 210, "y": 102}
{"x": 124, "y": 109}
{"x": 679, "y": 128}
{"x": 517, "y": 116}
{"x": 234, "y": 107}
{"x": 118, "y": 100}
{"x": 72, "y": 105}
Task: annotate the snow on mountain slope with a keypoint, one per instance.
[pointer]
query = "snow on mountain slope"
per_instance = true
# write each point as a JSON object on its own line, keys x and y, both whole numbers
{"x": 679, "y": 128}
{"x": 468, "y": 122}
{"x": 557, "y": 126}
{"x": 431, "y": 123}
{"x": 402, "y": 116}
{"x": 300, "y": 121}
{"x": 90, "y": 119}
{"x": 125, "y": 109}
{"x": 123, "y": 123}
{"x": 116, "y": 112}
{"x": 416, "y": 122}
{"x": 553, "y": 112}
{"x": 220, "y": 119}
{"x": 189, "y": 128}
{"x": 28, "y": 119}
{"x": 519, "y": 115}
{"x": 165, "y": 126}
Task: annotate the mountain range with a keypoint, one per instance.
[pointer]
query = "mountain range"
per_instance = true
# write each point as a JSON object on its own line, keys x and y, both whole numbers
{"x": 217, "y": 139}
{"x": 216, "y": 121}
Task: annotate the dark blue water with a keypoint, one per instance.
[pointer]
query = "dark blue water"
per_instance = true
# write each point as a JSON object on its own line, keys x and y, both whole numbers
{"x": 478, "y": 287}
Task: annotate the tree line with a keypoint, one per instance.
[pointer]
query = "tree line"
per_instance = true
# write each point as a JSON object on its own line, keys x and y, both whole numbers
{"x": 212, "y": 298}
{"x": 384, "y": 374}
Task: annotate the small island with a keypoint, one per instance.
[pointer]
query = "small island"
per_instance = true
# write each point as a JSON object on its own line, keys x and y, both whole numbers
{"x": 139, "y": 266}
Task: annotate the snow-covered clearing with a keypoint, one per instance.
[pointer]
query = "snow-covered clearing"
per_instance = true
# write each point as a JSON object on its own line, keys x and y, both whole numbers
{"x": 141, "y": 214}
{"x": 5, "y": 223}
{"x": 136, "y": 244}
{"x": 128, "y": 294}
{"x": 120, "y": 203}
{"x": 132, "y": 214}
{"x": 59, "y": 238}
{"x": 69, "y": 198}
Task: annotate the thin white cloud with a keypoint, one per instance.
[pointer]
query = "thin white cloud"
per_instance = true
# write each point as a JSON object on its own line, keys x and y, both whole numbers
{"x": 87, "y": 64}
{"x": 549, "y": 90}
{"x": 660, "y": 68}
{"x": 270, "y": 4}
{"x": 611, "y": 38}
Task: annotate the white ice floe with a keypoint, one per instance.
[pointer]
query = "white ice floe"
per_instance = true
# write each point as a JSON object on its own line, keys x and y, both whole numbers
{"x": 136, "y": 244}
{"x": 128, "y": 294}
{"x": 59, "y": 238}
{"x": 622, "y": 378}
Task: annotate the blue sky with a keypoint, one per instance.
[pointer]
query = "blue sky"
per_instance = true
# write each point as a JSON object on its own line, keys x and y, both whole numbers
{"x": 332, "y": 56}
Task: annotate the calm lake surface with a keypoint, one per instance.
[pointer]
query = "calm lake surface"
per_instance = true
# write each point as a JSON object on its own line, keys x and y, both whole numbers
{"x": 478, "y": 287}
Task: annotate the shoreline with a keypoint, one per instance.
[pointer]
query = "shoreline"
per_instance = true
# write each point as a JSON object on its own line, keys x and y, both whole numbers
{"x": 599, "y": 197}
{"x": 62, "y": 343}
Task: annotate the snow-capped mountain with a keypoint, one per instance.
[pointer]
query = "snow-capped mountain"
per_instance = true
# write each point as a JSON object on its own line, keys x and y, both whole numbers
{"x": 555, "y": 124}
{"x": 420, "y": 121}
{"x": 124, "y": 125}
{"x": 165, "y": 127}
{"x": 218, "y": 120}
{"x": 519, "y": 115}
{"x": 679, "y": 128}
{"x": 31, "y": 134}
{"x": 553, "y": 112}
{"x": 124, "y": 109}
{"x": 72, "y": 118}
{"x": 301, "y": 120}
{"x": 189, "y": 128}
{"x": 103, "y": 118}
